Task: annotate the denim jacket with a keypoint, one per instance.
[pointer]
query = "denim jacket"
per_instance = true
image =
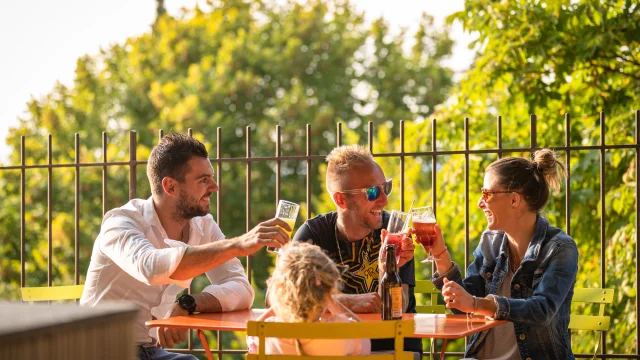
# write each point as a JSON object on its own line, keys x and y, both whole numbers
{"x": 541, "y": 289}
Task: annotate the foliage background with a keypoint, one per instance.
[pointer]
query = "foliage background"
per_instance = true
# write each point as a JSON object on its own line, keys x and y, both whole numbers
{"x": 238, "y": 64}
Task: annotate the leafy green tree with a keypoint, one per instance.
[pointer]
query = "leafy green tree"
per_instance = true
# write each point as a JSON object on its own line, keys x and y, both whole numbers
{"x": 550, "y": 59}
{"x": 554, "y": 58}
{"x": 232, "y": 65}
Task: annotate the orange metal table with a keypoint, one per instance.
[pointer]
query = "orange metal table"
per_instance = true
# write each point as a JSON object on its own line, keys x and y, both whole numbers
{"x": 427, "y": 325}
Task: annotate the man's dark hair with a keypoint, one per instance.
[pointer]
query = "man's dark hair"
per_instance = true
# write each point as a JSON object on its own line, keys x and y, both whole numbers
{"x": 170, "y": 158}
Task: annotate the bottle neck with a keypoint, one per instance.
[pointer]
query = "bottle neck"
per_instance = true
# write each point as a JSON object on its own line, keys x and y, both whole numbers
{"x": 391, "y": 261}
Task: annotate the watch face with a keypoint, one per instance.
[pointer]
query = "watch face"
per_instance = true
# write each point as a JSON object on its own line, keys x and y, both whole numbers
{"x": 187, "y": 302}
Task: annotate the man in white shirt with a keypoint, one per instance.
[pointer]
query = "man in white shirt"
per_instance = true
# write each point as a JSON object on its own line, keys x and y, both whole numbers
{"x": 148, "y": 251}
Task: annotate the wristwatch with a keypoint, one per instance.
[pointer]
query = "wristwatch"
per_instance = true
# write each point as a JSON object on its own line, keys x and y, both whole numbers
{"x": 187, "y": 302}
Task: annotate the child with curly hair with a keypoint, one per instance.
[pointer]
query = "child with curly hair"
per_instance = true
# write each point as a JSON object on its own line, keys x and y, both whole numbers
{"x": 301, "y": 290}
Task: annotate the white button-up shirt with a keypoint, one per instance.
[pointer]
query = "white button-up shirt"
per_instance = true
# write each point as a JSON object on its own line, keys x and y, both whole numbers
{"x": 133, "y": 260}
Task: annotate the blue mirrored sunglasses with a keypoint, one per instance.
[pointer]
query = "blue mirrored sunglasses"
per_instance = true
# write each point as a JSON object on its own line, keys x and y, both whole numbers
{"x": 373, "y": 192}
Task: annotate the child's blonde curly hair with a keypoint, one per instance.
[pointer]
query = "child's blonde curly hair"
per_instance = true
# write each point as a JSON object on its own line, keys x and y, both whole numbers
{"x": 301, "y": 283}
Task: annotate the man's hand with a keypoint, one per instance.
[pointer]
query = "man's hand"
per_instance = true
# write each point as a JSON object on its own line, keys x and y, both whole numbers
{"x": 361, "y": 303}
{"x": 403, "y": 255}
{"x": 267, "y": 233}
{"x": 168, "y": 337}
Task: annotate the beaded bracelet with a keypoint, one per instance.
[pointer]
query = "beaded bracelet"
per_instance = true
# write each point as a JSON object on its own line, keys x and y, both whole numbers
{"x": 475, "y": 308}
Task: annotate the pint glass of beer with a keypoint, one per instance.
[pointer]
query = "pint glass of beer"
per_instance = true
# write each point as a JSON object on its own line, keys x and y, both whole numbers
{"x": 288, "y": 212}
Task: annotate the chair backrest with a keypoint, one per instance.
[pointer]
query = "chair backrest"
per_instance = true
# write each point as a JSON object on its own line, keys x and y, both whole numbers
{"x": 598, "y": 322}
{"x": 396, "y": 329}
{"x": 71, "y": 292}
{"x": 427, "y": 287}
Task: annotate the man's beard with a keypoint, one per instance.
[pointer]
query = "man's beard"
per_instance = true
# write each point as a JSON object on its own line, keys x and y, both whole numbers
{"x": 362, "y": 220}
{"x": 189, "y": 207}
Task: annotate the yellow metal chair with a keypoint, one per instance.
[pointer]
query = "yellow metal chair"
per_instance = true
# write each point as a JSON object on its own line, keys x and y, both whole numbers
{"x": 427, "y": 287}
{"x": 397, "y": 329}
{"x": 597, "y": 323}
{"x": 72, "y": 292}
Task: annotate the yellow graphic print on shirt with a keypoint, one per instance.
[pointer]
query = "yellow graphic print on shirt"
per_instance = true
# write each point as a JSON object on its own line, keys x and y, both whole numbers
{"x": 362, "y": 274}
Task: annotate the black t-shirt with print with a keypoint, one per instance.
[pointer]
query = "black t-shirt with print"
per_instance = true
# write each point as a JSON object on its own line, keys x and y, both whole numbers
{"x": 361, "y": 259}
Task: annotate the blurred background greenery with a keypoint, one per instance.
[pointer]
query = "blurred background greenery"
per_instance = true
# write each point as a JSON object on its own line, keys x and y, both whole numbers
{"x": 235, "y": 64}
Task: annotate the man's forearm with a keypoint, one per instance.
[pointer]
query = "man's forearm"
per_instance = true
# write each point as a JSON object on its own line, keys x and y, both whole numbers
{"x": 207, "y": 303}
{"x": 361, "y": 303}
{"x": 201, "y": 258}
{"x": 346, "y": 300}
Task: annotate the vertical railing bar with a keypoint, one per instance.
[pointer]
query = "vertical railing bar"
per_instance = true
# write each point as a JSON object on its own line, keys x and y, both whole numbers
{"x": 219, "y": 181}
{"x": 104, "y": 173}
{"x": 466, "y": 201}
{"x": 602, "y": 217}
{"x": 466, "y": 193}
{"x": 370, "y": 136}
{"x": 248, "y": 191}
{"x": 76, "y": 212}
{"x": 402, "y": 165}
{"x": 567, "y": 141}
{"x": 219, "y": 344}
{"x": 499, "y": 124}
{"x": 433, "y": 168}
{"x": 49, "y": 211}
{"x": 534, "y": 132}
{"x": 218, "y": 171}
{"x": 637, "y": 113}
{"x": 22, "y": 211}
{"x": 308, "y": 141}
{"x": 433, "y": 179}
{"x": 278, "y": 162}
{"x": 133, "y": 155}
{"x": 339, "y": 134}
{"x": 190, "y": 288}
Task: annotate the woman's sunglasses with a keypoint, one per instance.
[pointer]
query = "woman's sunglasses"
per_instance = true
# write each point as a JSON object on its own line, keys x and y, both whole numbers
{"x": 487, "y": 194}
{"x": 373, "y": 193}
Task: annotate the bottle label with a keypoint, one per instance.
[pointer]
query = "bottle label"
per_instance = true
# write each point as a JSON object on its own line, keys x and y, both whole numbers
{"x": 396, "y": 301}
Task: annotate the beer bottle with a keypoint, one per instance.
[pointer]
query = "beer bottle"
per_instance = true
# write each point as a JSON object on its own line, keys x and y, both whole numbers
{"x": 391, "y": 288}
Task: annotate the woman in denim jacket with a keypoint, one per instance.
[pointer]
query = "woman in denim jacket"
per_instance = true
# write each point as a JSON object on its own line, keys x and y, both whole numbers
{"x": 524, "y": 269}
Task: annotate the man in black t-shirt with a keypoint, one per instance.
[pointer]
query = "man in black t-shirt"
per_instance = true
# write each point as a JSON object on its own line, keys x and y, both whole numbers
{"x": 352, "y": 235}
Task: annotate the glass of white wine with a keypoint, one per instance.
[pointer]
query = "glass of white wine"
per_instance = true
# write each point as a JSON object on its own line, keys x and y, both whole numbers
{"x": 288, "y": 212}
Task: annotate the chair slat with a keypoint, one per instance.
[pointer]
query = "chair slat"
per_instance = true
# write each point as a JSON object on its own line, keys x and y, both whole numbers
{"x": 431, "y": 309}
{"x": 71, "y": 292}
{"x": 403, "y": 356}
{"x": 319, "y": 330}
{"x": 589, "y": 322}
{"x": 425, "y": 287}
{"x": 599, "y": 296}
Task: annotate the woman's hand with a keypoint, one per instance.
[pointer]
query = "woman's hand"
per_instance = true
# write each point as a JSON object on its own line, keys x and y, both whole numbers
{"x": 457, "y": 297}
